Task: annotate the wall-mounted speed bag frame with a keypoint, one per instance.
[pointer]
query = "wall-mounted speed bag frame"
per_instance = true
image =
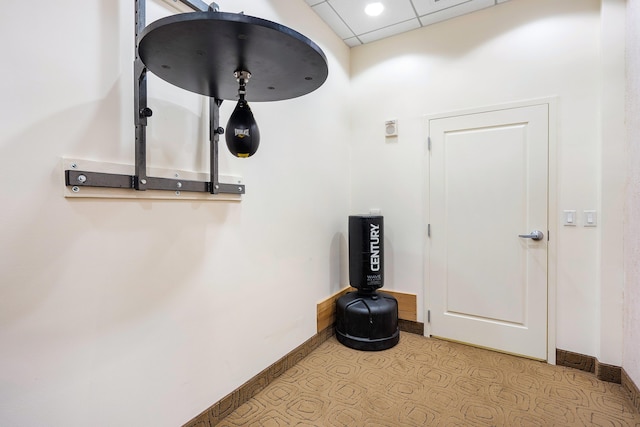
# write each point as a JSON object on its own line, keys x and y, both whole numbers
{"x": 202, "y": 51}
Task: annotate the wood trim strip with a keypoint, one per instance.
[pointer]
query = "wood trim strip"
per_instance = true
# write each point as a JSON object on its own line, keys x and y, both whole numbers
{"x": 603, "y": 371}
{"x": 609, "y": 373}
{"x": 575, "y": 360}
{"x": 411, "y": 327}
{"x": 219, "y": 410}
{"x": 631, "y": 387}
{"x": 407, "y": 305}
{"x": 326, "y": 309}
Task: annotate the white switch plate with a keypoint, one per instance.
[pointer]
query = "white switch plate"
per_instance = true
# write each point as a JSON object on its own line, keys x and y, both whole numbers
{"x": 590, "y": 219}
{"x": 569, "y": 218}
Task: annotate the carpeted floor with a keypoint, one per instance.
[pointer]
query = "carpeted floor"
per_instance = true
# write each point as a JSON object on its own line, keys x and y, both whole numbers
{"x": 430, "y": 382}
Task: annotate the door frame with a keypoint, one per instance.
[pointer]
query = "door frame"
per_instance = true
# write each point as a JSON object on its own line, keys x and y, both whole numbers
{"x": 552, "y": 217}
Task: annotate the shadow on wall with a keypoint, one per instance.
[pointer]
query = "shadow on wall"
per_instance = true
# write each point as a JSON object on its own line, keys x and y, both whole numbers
{"x": 338, "y": 263}
{"x": 114, "y": 258}
{"x": 389, "y": 262}
{"x": 176, "y": 138}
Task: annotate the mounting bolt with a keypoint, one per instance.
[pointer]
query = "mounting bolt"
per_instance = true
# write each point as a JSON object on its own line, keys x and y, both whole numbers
{"x": 220, "y": 130}
{"x": 177, "y": 193}
{"x": 82, "y": 179}
{"x": 217, "y": 186}
{"x": 240, "y": 189}
{"x": 143, "y": 181}
{"x": 74, "y": 166}
{"x": 177, "y": 175}
{"x": 179, "y": 185}
{"x": 146, "y": 112}
{"x": 75, "y": 189}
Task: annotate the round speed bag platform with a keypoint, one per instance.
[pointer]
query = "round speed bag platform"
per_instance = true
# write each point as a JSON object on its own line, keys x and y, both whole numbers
{"x": 367, "y": 322}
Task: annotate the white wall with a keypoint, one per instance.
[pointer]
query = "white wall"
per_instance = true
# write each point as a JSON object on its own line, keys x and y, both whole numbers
{"x": 120, "y": 312}
{"x": 612, "y": 179}
{"x": 124, "y": 312}
{"x": 631, "y": 353}
{"x": 518, "y": 50}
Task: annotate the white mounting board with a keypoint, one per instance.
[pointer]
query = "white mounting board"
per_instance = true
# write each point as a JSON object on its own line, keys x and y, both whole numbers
{"x": 125, "y": 193}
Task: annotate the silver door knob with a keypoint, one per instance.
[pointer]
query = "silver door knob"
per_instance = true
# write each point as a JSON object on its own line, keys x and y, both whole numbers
{"x": 534, "y": 235}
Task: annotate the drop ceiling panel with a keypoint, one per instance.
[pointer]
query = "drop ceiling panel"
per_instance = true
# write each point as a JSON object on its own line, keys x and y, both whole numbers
{"x": 329, "y": 15}
{"x": 425, "y": 7}
{"x": 392, "y": 30}
{"x": 461, "y": 8}
{"x": 352, "y": 12}
{"x": 349, "y": 21}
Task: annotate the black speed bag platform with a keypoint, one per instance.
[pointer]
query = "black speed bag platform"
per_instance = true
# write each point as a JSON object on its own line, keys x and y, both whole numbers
{"x": 200, "y": 52}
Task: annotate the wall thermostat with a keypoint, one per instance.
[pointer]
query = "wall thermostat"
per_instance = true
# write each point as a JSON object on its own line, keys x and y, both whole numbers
{"x": 391, "y": 128}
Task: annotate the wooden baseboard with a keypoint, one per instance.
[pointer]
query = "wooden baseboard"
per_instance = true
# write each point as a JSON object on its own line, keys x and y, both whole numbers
{"x": 575, "y": 360}
{"x": 603, "y": 371}
{"x": 632, "y": 389}
{"x": 610, "y": 373}
{"x": 411, "y": 327}
{"x": 326, "y": 309}
{"x": 219, "y": 410}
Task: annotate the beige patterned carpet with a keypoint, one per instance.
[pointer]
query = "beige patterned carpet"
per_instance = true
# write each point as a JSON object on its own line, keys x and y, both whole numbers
{"x": 429, "y": 382}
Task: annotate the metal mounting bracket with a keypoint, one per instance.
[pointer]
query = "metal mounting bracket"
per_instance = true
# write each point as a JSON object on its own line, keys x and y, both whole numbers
{"x": 140, "y": 181}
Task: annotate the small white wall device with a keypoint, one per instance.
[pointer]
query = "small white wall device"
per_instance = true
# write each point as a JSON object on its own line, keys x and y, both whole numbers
{"x": 391, "y": 128}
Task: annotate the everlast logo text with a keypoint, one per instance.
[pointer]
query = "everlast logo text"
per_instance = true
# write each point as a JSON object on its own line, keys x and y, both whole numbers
{"x": 241, "y": 133}
{"x": 374, "y": 241}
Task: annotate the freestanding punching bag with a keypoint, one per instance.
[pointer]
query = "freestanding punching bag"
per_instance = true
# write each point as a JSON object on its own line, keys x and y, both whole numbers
{"x": 367, "y": 319}
{"x": 366, "y": 253}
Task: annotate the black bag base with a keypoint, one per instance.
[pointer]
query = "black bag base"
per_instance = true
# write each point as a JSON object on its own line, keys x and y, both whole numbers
{"x": 367, "y": 322}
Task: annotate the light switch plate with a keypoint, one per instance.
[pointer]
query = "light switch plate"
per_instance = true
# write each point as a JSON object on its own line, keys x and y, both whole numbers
{"x": 590, "y": 219}
{"x": 569, "y": 218}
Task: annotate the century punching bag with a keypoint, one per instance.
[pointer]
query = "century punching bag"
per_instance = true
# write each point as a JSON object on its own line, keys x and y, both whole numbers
{"x": 366, "y": 252}
{"x": 367, "y": 319}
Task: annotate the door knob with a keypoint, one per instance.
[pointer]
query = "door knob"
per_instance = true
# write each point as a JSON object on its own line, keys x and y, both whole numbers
{"x": 534, "y": 235}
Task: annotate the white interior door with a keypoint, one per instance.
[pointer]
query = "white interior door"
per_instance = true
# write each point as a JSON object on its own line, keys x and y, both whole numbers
{"x": 488, "y": 185}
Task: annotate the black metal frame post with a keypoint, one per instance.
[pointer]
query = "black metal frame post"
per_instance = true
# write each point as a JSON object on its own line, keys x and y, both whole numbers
{"x": 140, "y": 181}
{"x": 214, "y": 136}
{"x": 140, "y": 109}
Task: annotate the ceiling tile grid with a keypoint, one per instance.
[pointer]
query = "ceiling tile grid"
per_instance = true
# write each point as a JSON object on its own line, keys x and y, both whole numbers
{"x": 349, "y": 21}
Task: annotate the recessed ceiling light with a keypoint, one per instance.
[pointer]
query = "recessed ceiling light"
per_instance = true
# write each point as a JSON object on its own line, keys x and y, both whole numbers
{"x": 374, "y": 9}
